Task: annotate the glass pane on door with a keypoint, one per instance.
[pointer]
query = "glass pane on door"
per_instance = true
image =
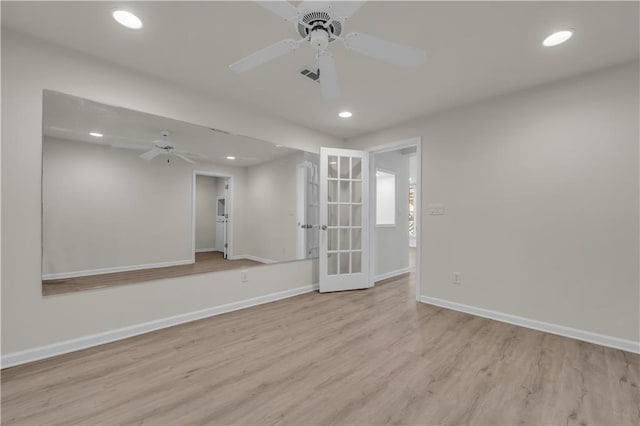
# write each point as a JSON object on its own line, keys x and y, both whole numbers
{"x": 332, "y": 243}
{"x": 333, "y": 167}
{"x": 344, "y": 263}
{"x": 356, "y": 168}
{"x": 356, "y": 262}
{"x": 333, "y": 215}
{"x": 345, "y": 215}
{"x": 345, "y": 167}
{"x": 333, "y": 263}
{"x": 344, "y": 239}
{"x": 333, "y": 190}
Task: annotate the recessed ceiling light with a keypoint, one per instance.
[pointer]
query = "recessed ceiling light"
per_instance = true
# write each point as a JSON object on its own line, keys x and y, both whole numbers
{"x": 345, "y": 114}
{"x": 278, "y": 146}
{"x": 96, "y": 134}
{"x": 557, "y": 38}
{"x": 231, "y": 157}
{"x": 127, "y": 19}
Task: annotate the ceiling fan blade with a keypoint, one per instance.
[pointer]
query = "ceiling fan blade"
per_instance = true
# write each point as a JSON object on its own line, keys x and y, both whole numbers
{"x": 188, "y": 160}
{"x": 135, "y": 146}
{"x": 265, "y": 55}
{"x": 384, "y": 50}
{"x": 283, "y": 9}
{"x": 150, "y": 155}
{"x": 344, "y": 9}
{"x": 328, "y": 76}
{"x": 189, "y": 154}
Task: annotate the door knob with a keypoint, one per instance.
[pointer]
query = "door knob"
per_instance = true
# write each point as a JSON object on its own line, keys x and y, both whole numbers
{"x": 324, "y": 227}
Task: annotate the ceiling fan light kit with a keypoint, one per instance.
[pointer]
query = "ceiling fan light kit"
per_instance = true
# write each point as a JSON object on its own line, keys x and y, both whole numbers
{"x": 321, "y": 24}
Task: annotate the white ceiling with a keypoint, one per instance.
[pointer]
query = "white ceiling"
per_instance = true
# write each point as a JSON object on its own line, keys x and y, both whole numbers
{"x": 71, "y": 118}
{"x": 474, "y": 49}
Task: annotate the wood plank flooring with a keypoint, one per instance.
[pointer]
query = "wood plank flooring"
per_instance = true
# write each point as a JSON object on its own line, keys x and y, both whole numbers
{"x": 367, "y": 357}
{"x": 205, "y": 262}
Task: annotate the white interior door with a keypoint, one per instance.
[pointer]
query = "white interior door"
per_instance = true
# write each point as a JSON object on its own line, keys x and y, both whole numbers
{"x": 344, "y": 219}
{"x": 301, "y": 200}
{"x": 225, "y": 252}
{"x": 220, "y": 223}
{"x": 313, "y": 207}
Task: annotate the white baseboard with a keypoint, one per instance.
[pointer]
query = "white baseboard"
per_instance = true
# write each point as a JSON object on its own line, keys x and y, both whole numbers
{"x": 206, "y": 250}
{"x": 62, "y": 275}
{"x": 254, "y": 258}
{"x": 42, "y": 352}
{"x": 391, "y": 274}
{"x": 574, "y": 333}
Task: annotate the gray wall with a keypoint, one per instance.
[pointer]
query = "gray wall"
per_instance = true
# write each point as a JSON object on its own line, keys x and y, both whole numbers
{"x": 106, "y": 208}
{"x": 30, "y": 320}
{"x": 541, "y": 202}
{"x": 392, "y": 242}
{"x": 271, "y": 199}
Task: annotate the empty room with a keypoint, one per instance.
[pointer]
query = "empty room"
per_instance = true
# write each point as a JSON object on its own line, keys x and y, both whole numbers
{"x": 320, "y": 212}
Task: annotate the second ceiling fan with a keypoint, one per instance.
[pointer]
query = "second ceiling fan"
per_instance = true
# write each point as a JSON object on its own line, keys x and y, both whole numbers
{"x": 321, "y": 23}
{"x": 160, "y": 147}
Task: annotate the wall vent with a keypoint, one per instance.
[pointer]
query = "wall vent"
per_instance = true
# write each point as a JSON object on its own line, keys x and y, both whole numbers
{"x": 313, "y": 75}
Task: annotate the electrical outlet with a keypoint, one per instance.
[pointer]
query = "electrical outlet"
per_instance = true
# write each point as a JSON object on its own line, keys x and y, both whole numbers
{"x": 244, "y": 275}
{"x": 457, "y": 278}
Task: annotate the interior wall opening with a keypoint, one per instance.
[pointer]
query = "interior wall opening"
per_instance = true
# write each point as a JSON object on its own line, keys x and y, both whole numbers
{"x": 212, "y": 222}
{"x": 211, "y": 231}
{"x": 395, "y": 182}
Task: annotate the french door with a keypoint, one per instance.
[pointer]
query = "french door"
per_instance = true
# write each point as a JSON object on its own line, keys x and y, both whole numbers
{"x": 344, "y": 219}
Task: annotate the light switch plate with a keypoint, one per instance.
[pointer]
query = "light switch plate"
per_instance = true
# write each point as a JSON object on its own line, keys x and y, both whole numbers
{"x": 436, "y": 209}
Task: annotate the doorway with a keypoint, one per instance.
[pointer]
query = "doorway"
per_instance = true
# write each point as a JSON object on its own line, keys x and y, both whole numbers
{"x": 395, "y": 177}
{"x": 212, "y": 218}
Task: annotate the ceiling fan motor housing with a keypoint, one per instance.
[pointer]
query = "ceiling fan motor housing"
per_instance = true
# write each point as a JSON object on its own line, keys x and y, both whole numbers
{"x": 313, "y": 20}
{"x": 321, "y": 23}
{"x": 319, "y": 39}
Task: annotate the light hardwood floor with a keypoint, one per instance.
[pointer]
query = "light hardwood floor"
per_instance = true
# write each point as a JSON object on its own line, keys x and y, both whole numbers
{"x": 205, "y": 262}
{"x": 359, "y": 358}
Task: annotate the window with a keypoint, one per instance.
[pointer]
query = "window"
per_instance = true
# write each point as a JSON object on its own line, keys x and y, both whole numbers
{"x": 385, "y": 198}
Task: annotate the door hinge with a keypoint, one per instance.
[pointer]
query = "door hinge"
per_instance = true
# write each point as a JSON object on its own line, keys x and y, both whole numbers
{"x": 226, "y": 186}
{"x": 226, "y": 245}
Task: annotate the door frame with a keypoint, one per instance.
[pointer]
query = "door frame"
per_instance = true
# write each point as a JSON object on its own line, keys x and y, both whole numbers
{"x": 228, "y": 208}
{"x": 379, "y": 149}
{"x": 223, "y": 249}
{"x": 415, "y": 239}
{"x": 301, "y": 204}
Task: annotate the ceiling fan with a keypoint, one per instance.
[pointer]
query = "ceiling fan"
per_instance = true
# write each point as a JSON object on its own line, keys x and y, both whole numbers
{"x": 321, "y": 23}
{"x": 161, "y": 147}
